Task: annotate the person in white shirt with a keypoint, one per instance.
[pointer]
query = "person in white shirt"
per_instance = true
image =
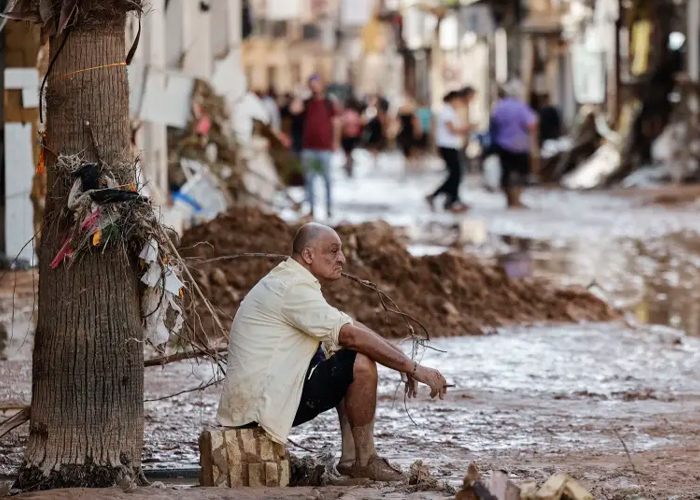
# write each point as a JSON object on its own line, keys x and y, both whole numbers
{"x": 293, "y": 356}
{"x": 449, "y": 138}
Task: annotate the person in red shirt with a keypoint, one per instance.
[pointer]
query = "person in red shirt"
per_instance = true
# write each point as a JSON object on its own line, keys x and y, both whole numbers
{"x": 319, "y": 139}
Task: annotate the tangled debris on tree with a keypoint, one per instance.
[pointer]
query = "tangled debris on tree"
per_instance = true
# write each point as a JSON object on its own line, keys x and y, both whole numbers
{"x": 107, "y": 211}
{"x": 55, "y": 17}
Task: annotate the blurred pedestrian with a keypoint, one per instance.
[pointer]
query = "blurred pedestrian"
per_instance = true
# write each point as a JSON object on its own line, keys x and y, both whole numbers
{"x": 321, "y": 136}
{"x": 513, "y": 129}
{"x": 351, "y": 126}
{"x": 273, "y": 109}
{"x": 449, "y": 138}
{"x": 295, "y": 112}
{"x": 409, "y": 130}
{"x": 375, "y": 128}
{"x": 425, "y": 118}
{"x": 550, "y": 121}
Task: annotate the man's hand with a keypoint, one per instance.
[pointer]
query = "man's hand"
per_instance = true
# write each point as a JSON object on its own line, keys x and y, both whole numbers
{"x": 433, "y": 379}
{"x": 411, "y": 388}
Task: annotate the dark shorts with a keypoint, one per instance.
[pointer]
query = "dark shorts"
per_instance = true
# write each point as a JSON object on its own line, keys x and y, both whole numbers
{"x": 349, "y": 144}
{"x": 515, "y": 168}
{"x": 325, "y": 385}
{"x": 424, "y": 140}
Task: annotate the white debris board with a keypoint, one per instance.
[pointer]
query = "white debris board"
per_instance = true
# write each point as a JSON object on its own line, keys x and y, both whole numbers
{"x": 160, "y": 97}
{"x": 19, "y": 170}
{"x": 21, "y": 78}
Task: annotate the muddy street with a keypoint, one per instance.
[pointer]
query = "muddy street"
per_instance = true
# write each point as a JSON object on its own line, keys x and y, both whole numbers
{"x": 532, "y": 399}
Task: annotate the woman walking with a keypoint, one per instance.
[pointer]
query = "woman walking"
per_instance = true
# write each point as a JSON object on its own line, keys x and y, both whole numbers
{"x": 513, "y": 128}
{"x": 449, "y": 139}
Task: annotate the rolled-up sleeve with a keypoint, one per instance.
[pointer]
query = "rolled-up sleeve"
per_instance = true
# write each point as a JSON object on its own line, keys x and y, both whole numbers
{"x": 304, "y": 307}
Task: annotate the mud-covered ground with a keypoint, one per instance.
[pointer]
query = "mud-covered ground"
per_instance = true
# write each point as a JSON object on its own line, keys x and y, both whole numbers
{"x": 532, "y": 399}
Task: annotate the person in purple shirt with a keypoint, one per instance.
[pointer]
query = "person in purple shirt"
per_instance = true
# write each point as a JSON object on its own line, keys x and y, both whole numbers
{"x": 513, "y": 125}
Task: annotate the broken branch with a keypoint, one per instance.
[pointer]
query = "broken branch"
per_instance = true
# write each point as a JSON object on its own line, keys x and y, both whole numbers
{"x": 182, "y": 356}
{"x": 382, "y": 295}
{"x": 200, "y": 387}
{"x": 15, "y": 421}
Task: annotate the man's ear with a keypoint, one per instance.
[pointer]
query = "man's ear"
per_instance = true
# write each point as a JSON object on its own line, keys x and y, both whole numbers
{"x": 307, "y": 255}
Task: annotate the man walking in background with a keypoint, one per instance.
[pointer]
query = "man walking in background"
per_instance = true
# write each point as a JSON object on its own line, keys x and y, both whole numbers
{"x": 320, "y": 138}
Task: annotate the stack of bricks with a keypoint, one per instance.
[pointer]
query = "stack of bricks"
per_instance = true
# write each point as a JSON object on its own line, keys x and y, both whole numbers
{"x": 242, "y": 457}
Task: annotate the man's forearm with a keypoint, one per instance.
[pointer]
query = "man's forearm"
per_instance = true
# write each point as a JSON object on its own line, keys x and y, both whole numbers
{"x": 365, "y": 341}
{"x": 375, "y": 334}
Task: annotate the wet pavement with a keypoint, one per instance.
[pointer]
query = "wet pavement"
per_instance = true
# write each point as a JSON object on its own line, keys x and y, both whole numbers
{"x": 532, "y": 399}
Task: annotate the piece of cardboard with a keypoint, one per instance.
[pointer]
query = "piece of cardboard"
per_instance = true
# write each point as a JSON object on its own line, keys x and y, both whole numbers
{"x": 165, "y": 98}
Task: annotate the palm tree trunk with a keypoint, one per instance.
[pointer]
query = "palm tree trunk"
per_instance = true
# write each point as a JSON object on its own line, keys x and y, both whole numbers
{"x": 87, "y": 390}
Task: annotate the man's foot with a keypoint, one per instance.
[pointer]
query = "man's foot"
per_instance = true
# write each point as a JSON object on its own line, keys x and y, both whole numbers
{"x": 377, "y": 469}
{"x": 345, "y": 467}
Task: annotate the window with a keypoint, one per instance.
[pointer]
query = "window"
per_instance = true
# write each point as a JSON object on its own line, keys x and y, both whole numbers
{"x": 278, "y": 29}
{"x": 311, "y": 32}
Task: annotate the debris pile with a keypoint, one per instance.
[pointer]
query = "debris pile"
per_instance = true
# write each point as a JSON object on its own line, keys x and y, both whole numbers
{"x": 452, "y": 294}
{"x": 318, "y": 470}
{"x": 421, "y": 479}
{"x": 500, "y": 487}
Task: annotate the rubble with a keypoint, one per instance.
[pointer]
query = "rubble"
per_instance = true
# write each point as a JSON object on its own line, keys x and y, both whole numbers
{"x": 452, "y": 294}
{"x": 318, "y": 470}
{"x": 557, "y": 487}
{"x": 473, "y": 487}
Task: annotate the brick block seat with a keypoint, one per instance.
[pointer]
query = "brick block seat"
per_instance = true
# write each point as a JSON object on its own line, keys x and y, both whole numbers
{"x": 241, "y": 457}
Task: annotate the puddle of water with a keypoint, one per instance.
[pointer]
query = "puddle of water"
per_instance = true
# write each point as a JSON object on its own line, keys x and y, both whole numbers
{"x": 657, "y": 281}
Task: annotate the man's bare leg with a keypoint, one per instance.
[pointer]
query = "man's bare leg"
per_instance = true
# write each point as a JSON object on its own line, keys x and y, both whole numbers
{"x": 347, "y": 456}
{"x": 360, "y": 405}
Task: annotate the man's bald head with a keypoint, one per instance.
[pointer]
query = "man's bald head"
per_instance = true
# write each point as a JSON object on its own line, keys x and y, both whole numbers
{"x": 318, "y": 248}
{"x": 308, "y": 234}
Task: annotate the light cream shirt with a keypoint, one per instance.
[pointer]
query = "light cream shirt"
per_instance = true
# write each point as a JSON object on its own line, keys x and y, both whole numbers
{"x": 275, "y": 334}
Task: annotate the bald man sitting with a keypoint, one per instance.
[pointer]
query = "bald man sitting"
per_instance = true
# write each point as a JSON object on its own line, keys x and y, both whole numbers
{"x": 293, "y": 356}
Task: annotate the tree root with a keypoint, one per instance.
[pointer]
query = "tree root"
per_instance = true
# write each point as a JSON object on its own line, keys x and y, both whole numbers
{"x": 89, "y": 475}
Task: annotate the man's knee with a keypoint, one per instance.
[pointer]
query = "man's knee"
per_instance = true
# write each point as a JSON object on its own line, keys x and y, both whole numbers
{"x": 364, "y": 368}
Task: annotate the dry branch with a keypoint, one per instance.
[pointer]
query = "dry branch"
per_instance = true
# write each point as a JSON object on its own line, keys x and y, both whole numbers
{"x": 15, "y": 421}
{"x": 182, "y": 356}
{"x": 200, "y": 387}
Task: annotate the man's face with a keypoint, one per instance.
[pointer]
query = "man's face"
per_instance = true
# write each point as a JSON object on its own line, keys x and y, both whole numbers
{"x": 315, "y": 86}
{"x": 326, "y": 258}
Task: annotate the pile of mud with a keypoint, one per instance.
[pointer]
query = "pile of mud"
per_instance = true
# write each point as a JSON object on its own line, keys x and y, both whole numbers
{"x": 451, "y": 294}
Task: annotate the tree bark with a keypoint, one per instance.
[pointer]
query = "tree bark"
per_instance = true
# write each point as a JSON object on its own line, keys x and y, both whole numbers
{"x": 86, "y": 425}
